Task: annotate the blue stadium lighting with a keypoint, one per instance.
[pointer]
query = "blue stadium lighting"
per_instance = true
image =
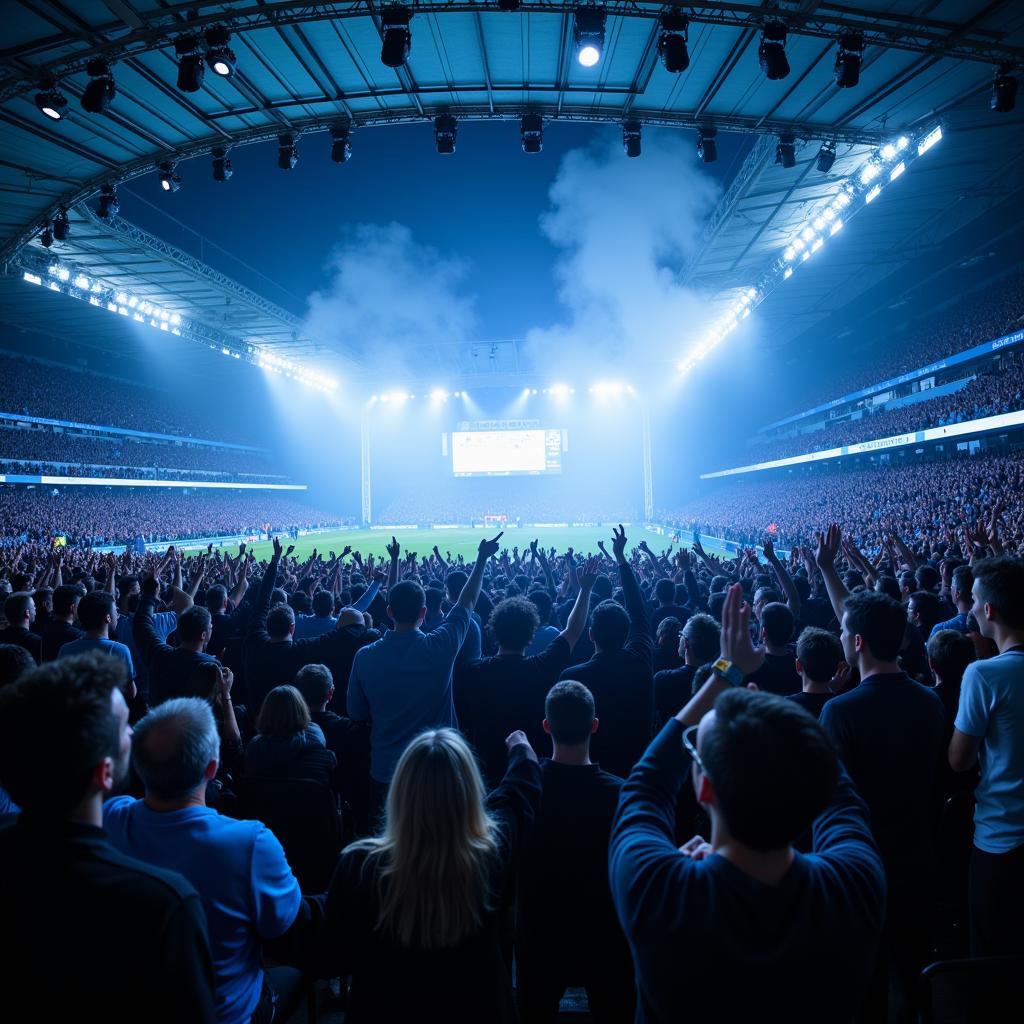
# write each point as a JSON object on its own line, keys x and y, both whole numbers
{"x": 588, "y": 35}
{"x": 438, "y": 395}
{"x": 32, "y": 278}
{"x": 934, "y": 136}
{"x": 873, "y": 194}
{"x": 897, "y": 171}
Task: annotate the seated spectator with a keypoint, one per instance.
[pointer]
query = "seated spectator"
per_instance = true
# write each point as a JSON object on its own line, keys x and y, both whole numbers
{"x": 413, "y": 915}
{"x": 238, "y": 867}
{"x": 744, "y": 926}
{"x": 63, "y": 886}
{"x": 20, "y": 612}
{"x": 287, "y": 744}
{"x": 97, "y": 613}
{"x": 778, "y": 674}
{"x": 819, "y": 662}
{"x": 666, "y": 645}
{"x": 699, "y": 643}
{"x": 949, "y": 654}
{"x": 60, "y": 630}
{"x": 567, "y": 932}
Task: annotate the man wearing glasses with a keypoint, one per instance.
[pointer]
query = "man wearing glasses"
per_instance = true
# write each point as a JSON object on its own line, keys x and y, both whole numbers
{"x": 743, "y": 923}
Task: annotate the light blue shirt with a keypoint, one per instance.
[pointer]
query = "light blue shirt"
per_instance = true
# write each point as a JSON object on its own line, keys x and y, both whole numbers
{"x": 240, "y": 872}
{"x": 992, "y": 707}
{"x": 83, "y": 645}
{"x": 309, "y": 626}
{"x": 542, "y": 640}
{"x": 165, "y": 623}
{"x": 402, "y": 684}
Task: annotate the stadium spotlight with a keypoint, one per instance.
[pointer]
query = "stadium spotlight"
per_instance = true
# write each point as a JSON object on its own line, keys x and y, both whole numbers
{"x": 631, "y": 138}
{"x": 169, "y": 181}
{"x": 445, "y": 130}
{"x": 397, "y": 43}
{"x": 100, "y": 91}
{"x": 672, "y": 42}
{"x": 826, "y": 157}
{"x": 849, "y": 59}
{"x": 707, "y": 146}
{"x": 287, "y": 153}
{"x": 61, "y": 227}
{"x": 438, "y": 395}
{"x": 341, "y": 147}
{"x": 221, "y": 165}
{"x": 531, "y": 133}
{"x": 785, "y": 151}
{"x": 109, "y": 206}
{"x": 772, "y": 51}
{"x": 50, "y": 100}
{"x": 191, "y": 66}
{"x": 588, "y": 35}
{"x": 46, "y": 237}
{"x": 1004, "y": 90}
{"x": 221, "y": 57}
{"x": 508, "y": 6}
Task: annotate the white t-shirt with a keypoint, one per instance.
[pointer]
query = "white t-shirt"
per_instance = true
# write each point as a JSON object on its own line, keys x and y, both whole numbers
{"x": 992, "y": 706}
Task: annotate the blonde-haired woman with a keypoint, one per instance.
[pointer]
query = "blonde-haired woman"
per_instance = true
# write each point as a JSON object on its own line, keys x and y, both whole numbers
{"x": 413, "y": 914}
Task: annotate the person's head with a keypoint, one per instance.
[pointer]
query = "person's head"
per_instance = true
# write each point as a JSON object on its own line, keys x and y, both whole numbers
{"x": 454, "y": 582}
{"x": 78, "y": 703}
{"x": 438, "y": 844}
{"x": 908, "y": 583}
{"x": 999, "y": 596}
{"x": 802, "y": 587}
{"x": 280, "y": 622}
{"x": 609, "y": 626}
{"x": 700, "y": 677}
{"x": 513, "y": 623}
{"x": 818, "y": 654}
{"x": 700, "y": 640}
{"x": 15, "y": 661}
{"x": 927, "y": 577}
{"x": 890, "y": 586}
{"x": 665, "y": 591}
{"x": 764, "y": 596}
{"x": 961, "y": 585}
{"x": 316, "y": 684}
{"x": 195, "y": 626}
{"x": 667, "y": 633}
{"x": 569, "y": 715}
{"x": 949, "y": 654}
{"x": 407, "y": 603}
{"x": 719, "y": 584}
{"x": 176, "y": 748}
{"x": 127, "y": 586}
{"x": 217, "y": 598}
{"x": 873, "y": 628}
{"x": 20, "y": 609}
{"x": 602, "y": 588}
{"x": 541, "y": 600}
{"x": 715, "y": 603}
{"x": 768, "y": 768}
{"x": 43, "y": 598}
{"x": 284, "y": 713}
{"x": 433, "y": 598}
{"x": 323, "y": 604}
{"x": 97, "y": 611}
{"x": 777, "y": 624}
{"x": 924, "y": 610}
{"x": 65, "y": 600}
{"x": 299, "y": 602}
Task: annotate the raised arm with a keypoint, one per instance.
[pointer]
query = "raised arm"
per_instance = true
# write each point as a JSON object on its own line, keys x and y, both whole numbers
{"x": 639, "y": 622}
{"x": 394, "y": 549}
{"x": 577, "y": 620}
{"x": 261, "y": 607}
{"x": 785, "y": 581}
{"x": 147, "y": 640}
{"x": 471, "y": 589}
{"x": 828, "y": 547}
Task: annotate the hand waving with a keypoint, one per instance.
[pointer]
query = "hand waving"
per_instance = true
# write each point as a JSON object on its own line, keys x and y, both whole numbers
{"x": 828, "y": 546}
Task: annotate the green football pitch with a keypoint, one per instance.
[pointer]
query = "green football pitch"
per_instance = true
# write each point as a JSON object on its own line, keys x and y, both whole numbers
{"x": 463, "y": 541}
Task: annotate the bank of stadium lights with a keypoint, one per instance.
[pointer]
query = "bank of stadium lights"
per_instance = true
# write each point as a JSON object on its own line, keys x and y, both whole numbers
{"x": 771, "y": 53}
{"x": 446, "y": 129}
{"x": 170, "y": 180}
{"x": 531, "y": 133}
{"x": 588, "y": 35}
{"x": 672, "y": 43}
{"x": 611, "y": 388}
{"x": 1004, "y": 89}
{"x": 396, "y": 42}
{"x": 631, "y": 138}
{"x": 273, "y": 363}
{"x": 560, "y": 390}
{"x": 101, "y": 90}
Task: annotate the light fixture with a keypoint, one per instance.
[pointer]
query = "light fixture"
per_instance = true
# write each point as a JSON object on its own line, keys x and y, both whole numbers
{"x": 672, "y": 42}
{"x": 631, "y": 138}
{"x": 341, "y": 147}
{"x": 849, "y": 59}
{"x": 826, "y": 157}
{"x": 191, "y": 66}
{"x": 772, "y": 51}
{"x": 220, "y": 56}
{"x": 109, "y": 206}
{"x": 445, "y": 130}
{"x": 873, "y": 194}
{"x": 169, "y": 181}
{"x": 50, "y": 100}
{"x": 221, "y": 165}
{"x": 397, "y": 42}
{"x": 100, "y": 91}
{"x": 1004, "y": 90}
{"x": 46, "y": 237}
{"x": 707, "y": 145}
{"x": 785, "y": 151}
{"x": 935, "y": 135}
{"x": 61, "y": 227}
{"x": 508, "y": 6}
{"x": 531, "y": 133}
{"x": 287, "y": 154}
{"x": 588, "y": 35}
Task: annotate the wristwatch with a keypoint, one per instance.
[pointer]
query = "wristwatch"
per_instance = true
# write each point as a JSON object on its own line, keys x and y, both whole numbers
{"x": 728, "y": 671}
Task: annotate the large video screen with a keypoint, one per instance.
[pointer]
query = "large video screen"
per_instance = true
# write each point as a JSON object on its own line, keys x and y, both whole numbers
{"x": 506, "y": 452}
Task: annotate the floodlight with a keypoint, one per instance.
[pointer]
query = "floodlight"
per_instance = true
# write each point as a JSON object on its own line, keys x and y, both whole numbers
{"x": 873, "y": 194}
{"x": 341, "y": 147}
{"x": 1004, "y": 90}
{"x": 631, "y": 138}
{"x": 588, "y": 35}
{"x": 100, "y": 91}
{"x": 531, "y": 133}
{"x": 221, "y": 165}
{"x": 50, "y": 100}
{"x": 785, "y": 151}
{"x": 707, "y": 145}
{"x": 772, "y": 51}
{"x": 438, "y": 395}
{"x": 826, "y": 157}
{"x": 221, "y": 57}
{"x": 287, "y": 153}
{"x": 61, "y": 227}
{"x": 397, "y": 42}
{"x": 672, "y": 48}
{"x": 169, "y": 181}
{"x": 109, "y": 206}
{"x": 446, "y": 128}
{"x": 191, "y": 66}
{"x": 46, "y": 238}
{"x": 935, "y": 135}
{"x": 849, "y": 59}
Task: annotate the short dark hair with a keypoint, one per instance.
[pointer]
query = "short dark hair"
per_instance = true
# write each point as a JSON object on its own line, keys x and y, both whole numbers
{"x": 66, "y": 596}
{"x": 609, "y": 625}
{"x": 193, "y": 623}
{"x": 95, "y": 607}
{"x": 323, "y": 603}
{"x": 716, "y": 601}
{"x": 284, "y": 713}
{"x": 820, "y": 653}
{"x": 407, "y": 601}
{"x": 542, "y": 602}
{"x": 665, "y": 590}
{"x": 16, "y": 605}
{"x": 513, "y": 622}
{"x": 703, "y": 637}
{"x": 950, "y": 652}
{"x": 314, "y": 682}
{"x": 216, "y": 595}
{"x": 669, "y": 624}
{"x": 700, "y": 677}
{"x": 280, "y": 620}
{"x": 43, "y": 596}
{"x": 71, "y": 697}
{"x": 300, "y": 602}
{"x": 963, "y": 580}
{"x": 569, "y": 709}
{"x": 778, "y": 623}
{"x": 890, "y": 586}
{"x": 927, "y": 577}
{"x": 602, "y": 587}
{"x": 15, "y": 661}
{"x": 772, "y": 766}
{"x": 1000, "y": 582}
{"x": 880, "y": 620}
{"x": 433, "y": 599}
{"x": 454, "y": 582}
{"x": 928, "y": 607}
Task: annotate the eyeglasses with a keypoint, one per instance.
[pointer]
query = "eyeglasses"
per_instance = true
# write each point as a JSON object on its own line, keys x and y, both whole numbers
{"x": 690, "y": 746}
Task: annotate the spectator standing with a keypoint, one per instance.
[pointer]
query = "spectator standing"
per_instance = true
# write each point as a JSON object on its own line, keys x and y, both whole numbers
{"x": 820, "y": 665}
{"x": 20, "y": 611}
{"x": 699, "y": 643}
{"x": 60, "y": 630}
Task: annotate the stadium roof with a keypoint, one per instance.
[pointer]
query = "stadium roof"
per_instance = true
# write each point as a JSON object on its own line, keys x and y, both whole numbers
{"x": 307, "y": 67}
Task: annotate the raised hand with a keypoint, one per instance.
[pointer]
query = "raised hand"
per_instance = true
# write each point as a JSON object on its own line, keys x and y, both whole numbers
{"x": 533, "y": 548}
{"x": 619, "y": 543}
{"x": 737, "y": 646}
{"x": 278, "y": 550}
{"x": 828, "y": 546}
{"x": 769, "y": 549}
{"x": 587, "y": 574}
{"x": 488, "y": 548}
{"x": 393, "y": 549}
{"x": 288, "y": 550}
